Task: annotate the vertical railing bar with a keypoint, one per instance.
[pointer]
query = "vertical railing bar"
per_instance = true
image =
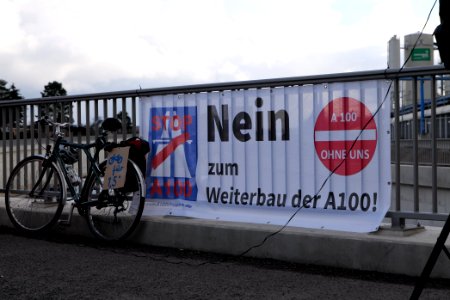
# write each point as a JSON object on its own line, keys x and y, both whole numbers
{"x": 115, "y": 116}
{"x": 47, "y": 131}
{"x": 96, "y": 117}
{"x": 71, "y": 121}
{"x": 88, "y": 120}
{"x": 11, "y": 144}
{"x": 17, "y": 131}
{"x": 39, "y": 129}
{"x": 61, "y": 109}
{"x": 105, "y": 115}
{"x": 44, "y": 129}
{"x": 32, "y": 129}
{"x": 35, "y": 129}
{"x": 105, "y": 108}
{"x": 397, "y": 144}
{"x": 444, "y": 126}
{"x": 433, "y": 146}
{"x": 25, "y": 131}
{"x": 3, "y": 111}
{"x": 88, "y": 126}
{"x": 124, "y": 119}
{"x": 16, "y": 126}
{"x": 80, "y": 161}
{"x": 38, "y": 140}
{"x": 133, "y": 116}
{"x": 25, "y": 140}
{"x": 415, "y": 132}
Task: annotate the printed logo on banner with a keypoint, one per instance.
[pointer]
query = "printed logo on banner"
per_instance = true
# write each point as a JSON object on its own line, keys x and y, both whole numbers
{"x": 173, "y": 158}
{"x": 345, "y": 136}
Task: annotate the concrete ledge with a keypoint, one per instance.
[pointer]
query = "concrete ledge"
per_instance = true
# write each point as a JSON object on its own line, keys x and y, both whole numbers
{"x": 385, "y": 251}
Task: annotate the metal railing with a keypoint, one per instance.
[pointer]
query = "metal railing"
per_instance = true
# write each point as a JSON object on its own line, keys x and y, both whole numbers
{"x": 20, "y": 135}
{"x": 424, "y": 151}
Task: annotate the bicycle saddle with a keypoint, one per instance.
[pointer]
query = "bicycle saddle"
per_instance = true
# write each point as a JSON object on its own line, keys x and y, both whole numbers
{"x": 111, "y": 124}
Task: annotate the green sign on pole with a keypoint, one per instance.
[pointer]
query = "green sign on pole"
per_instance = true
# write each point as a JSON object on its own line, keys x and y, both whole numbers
{"x": 421, "y": 54}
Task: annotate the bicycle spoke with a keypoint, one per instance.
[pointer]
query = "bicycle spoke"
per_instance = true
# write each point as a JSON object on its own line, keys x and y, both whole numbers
{"x": 116, "y": 215}
{"x": 34, "y": 204}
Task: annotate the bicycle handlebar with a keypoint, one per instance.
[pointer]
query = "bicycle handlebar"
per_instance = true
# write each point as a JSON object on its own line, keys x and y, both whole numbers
{"x": 111, "y": 124}
{"x": 47, "y": 121}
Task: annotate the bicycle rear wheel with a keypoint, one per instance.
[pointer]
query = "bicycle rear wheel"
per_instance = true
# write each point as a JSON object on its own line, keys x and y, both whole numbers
{"x": 118, "y": 211}
{"x": 34, "y": 195}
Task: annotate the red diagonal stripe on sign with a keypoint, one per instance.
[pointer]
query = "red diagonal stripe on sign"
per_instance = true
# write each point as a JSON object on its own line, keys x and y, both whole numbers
{"x": 169, "y": 149}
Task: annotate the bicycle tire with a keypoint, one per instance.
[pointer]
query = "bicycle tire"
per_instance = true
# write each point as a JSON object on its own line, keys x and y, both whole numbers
{"x": 128, "y": 207}
{"x": 36, "y": 212}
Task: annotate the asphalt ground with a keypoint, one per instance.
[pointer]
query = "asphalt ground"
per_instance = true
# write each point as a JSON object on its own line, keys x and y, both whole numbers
{"x": 71, "y": 267}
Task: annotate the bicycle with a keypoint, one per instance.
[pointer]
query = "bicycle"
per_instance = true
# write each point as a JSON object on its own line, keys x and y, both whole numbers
{"x": 37, "y": 189}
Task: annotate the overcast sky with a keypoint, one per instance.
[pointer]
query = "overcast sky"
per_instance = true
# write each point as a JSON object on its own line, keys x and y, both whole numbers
{"x": 108, "y": 45}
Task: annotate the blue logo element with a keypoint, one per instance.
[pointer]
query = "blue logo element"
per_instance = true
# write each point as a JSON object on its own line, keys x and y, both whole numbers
{"x": 115, "y": 158}
{"x": 173, "y": 157}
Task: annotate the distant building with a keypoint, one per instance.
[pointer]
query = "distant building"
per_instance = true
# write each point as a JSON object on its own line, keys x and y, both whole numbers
{"x": 418, "y": 51}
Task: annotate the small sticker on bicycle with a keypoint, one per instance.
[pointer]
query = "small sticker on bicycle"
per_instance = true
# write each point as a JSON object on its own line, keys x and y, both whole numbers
{"x": 116, "y": 168}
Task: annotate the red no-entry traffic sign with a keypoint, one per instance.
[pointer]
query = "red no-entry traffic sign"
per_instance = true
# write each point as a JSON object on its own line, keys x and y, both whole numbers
{"x": 345, "y": 136}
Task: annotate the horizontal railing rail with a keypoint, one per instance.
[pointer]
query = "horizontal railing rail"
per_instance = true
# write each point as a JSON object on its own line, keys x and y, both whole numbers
{"x": 389, "y": 74}
{"x": 424, "y": 151}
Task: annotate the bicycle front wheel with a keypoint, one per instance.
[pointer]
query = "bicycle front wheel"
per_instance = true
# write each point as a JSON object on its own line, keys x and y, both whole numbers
{"x": 34, "y": 195}
{"x": 117, "y": 212}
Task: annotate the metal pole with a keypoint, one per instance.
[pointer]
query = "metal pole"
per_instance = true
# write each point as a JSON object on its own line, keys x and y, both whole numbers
{"x": 415, "y": 148}
{"x": 438, "y": 247}
{"x": 433, "y": 146}
{"x": 422, "y": 108}
{"x": 397, "y": 151}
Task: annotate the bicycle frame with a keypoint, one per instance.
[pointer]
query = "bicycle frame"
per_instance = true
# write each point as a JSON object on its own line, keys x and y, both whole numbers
{"x": 93, "y": 169}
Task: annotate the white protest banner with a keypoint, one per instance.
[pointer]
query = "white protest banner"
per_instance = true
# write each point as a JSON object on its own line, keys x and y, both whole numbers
{"x": 321, "y": 152}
